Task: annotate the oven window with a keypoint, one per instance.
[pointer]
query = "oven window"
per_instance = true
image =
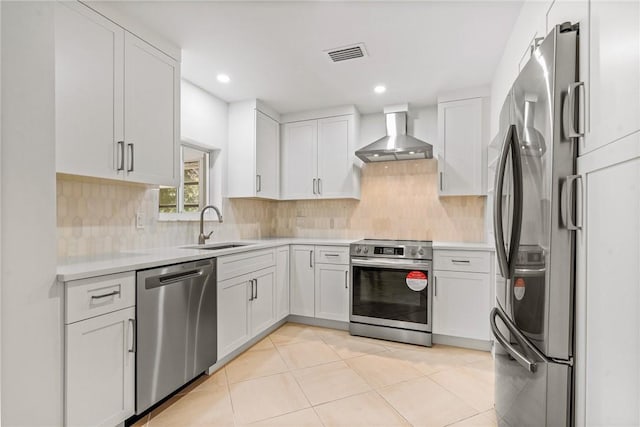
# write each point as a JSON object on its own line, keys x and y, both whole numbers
{"x": 383, "y": 293}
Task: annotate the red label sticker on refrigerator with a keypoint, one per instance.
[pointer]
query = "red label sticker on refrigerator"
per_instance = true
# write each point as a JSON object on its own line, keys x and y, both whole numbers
{"x": 416, "y": 280}
{"x": 519, "y": 288}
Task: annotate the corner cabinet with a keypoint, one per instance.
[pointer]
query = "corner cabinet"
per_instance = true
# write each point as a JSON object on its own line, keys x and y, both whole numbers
{"x": 99, "y": 350}
{"x": 461, "y": 147}
{"x": 282, "y": 282}
{"x": 253, "y": 151}
{"x": 318, "y": 160}
{"x": 117, "y": 101}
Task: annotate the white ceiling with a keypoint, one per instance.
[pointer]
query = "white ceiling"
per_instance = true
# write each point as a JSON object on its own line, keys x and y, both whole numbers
{"x": 274, "y": 50}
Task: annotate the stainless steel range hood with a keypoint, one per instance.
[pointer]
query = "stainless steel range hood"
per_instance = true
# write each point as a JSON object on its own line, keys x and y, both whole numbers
{"x": 397, "y": 145}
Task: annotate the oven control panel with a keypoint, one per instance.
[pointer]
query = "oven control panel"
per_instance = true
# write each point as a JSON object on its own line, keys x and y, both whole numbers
{"x": 407, "y": 249}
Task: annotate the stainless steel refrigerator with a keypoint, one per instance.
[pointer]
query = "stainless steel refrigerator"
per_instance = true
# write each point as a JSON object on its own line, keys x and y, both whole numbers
{"x": 534, "y": 228}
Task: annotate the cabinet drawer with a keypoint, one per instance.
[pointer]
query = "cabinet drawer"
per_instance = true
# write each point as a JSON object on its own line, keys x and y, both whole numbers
{"x": 246, "y": 262}
{"x": 332, "y": 255}
{"x": 99, "y": 295}
{"x": 475, "y": 261}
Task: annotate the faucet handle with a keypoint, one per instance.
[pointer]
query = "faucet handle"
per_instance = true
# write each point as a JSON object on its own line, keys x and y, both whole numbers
{"x": 208, "y": 236}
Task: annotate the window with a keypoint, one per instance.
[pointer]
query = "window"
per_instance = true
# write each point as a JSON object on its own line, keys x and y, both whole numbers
{"x": 193, "y": 193}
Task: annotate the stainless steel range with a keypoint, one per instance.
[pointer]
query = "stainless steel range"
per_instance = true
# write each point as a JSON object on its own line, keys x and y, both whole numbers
{"x": 390, "y": 290}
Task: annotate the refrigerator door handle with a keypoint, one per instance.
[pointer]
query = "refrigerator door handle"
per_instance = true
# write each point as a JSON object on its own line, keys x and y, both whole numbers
{"x": 523, "y": 360}
{"x": 518, "y": 205}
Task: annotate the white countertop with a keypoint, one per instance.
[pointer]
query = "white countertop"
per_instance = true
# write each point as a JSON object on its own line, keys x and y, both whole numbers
{"x": 84, "y": 267}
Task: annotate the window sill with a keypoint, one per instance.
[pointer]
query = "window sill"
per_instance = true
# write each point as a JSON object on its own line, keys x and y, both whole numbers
{"x": 186, "y": 217}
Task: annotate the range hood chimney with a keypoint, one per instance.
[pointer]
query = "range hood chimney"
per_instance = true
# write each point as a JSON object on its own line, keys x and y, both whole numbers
{"x": 396, "y": 145}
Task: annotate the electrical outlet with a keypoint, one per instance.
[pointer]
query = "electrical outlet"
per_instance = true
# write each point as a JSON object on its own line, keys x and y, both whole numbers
{"x": 139, "y": 220}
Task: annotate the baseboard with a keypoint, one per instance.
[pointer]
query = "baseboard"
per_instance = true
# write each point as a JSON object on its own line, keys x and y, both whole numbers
{"x": 462, "y": 342}
{"x": 323, "y": 323}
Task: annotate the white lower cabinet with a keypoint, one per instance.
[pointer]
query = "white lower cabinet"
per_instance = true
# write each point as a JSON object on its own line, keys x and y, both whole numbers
{"x": 462, "y": 293}
{"x": 302, "y": 280}
{"x": 282, "y": 282}
{"x": 100, "y": 369}
{"x": 246, "y": 307}
{"x": 461, "y": 304}
{"x": 332, "y": 292}
{"x": 320, "y": 282}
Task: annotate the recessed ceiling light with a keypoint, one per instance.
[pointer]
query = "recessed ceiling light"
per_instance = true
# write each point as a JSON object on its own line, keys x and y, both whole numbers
{"x": 380, "y": 89}
{"x": 223, "y": 78}
{"x": 412, "y": 152}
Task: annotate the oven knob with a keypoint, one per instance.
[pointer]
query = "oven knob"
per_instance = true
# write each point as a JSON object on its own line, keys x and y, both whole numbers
{"x": 421, "y": 252}
{"x": 413, "y": 251}
{"x": 366, "y": 249}
{"x": 358, "y": 249}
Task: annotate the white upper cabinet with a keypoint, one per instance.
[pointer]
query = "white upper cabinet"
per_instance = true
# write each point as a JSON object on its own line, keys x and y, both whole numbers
{"x": 88, "y": 67}
{"x": 614, "y": 66}
{"x": 253, "y": 151}
{"x": 461, "y": 147}
{"x": 151, "y": 100}
{"x": 117, "y": 101}
{"x": 299, "y": 166}
{"x": 318, "y": 160}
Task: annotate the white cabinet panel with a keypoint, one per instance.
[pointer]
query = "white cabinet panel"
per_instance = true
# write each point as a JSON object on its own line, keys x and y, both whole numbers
{"x": 607, "y": 291}
{"x": 461, "y": 304}
{"x": 233, "y": 314}
{"x": 100, "y": 369}
{"x": 95, "y": 296}
{"x": 151, "y": 94}
{"x": 89, "y": 55}
{"x": 282, "y": 282}
{"x": 332, "y": 292}
{"x": 460, "y": 148}
{"x": 299, "y": 165}
{"x": 614, "y": 81}
{"x": 302, "y": 301}
{"x": 244, "y": 262}
{"x": 334, "y": 158}
{"x": 267, "y": 156}
{"x": 263, "y": 307}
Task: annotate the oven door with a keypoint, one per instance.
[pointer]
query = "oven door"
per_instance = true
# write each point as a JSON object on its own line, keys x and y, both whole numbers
{"x": 394, "y": 293}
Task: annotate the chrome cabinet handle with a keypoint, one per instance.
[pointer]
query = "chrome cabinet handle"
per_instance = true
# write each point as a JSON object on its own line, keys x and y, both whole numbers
{"x": 319, "y": 186}
{"x": 134, "y": 336}
{"x": 251, "y": 284}
{"x": 346, "y": 279}
{"x": 569, "y": 113}
{"x": 110, "y": 294}
{"x": 461, "y": 261}
{"x": 435, "y": 286}
{"x": 258, "y": 183}
{"x": 332, "y": 255}
{"x": 121, "y": 156}
{"x": 314, "y": 186}
{"x": 255, "y": 284}
{"x": 311, "y": 259}
{"x": 569, "y": 203}
{"x": 441, "y": 185}
{"x": 131, "y": 152}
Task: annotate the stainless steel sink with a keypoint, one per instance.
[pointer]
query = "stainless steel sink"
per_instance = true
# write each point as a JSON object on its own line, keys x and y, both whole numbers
{"x": 218, "y": 246}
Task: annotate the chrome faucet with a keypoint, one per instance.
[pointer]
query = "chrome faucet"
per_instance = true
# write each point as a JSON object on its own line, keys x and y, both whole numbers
{"x": 202, "y": 237}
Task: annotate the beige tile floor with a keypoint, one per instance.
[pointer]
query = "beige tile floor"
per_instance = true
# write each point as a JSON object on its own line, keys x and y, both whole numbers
{"x": 307, "y": 376}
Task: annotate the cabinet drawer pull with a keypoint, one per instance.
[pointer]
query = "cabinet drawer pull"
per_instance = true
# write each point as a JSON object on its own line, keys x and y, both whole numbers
{"x": 110, "y": 294}
{"x": 332, "y": 255}
{"x": 461, "y": 261}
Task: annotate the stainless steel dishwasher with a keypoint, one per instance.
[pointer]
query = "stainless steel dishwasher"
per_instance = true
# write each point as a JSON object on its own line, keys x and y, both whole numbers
{"x": 176, "y": 328}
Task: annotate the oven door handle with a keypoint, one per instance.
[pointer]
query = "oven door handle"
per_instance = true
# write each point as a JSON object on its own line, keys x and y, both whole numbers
{"x": 391, "y": 264}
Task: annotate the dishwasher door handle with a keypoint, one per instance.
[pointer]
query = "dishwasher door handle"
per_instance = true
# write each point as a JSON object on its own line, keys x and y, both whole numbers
{"x": 175, "y": 278}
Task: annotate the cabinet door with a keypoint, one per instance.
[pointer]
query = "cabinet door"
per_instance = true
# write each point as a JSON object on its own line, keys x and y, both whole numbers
{"x": 335, "y": 162}
{"x": 461, "y": 302}
{"x": 282, "y": 282}
{"x": 607, "y": 291}
{"x": 151, "y": 96}
{"x": 89, "y": 85}
{"x": 233, "y": 314}
{"x": 614, "y": 103}
{"x": 332, "y": 292}
{"x": 299, "y": 166}
{"x": 302, "y": 281}
{"x": 460, "y": 165}
{"x": 267, "y": 156}
{"x": 263, "y": 304}
{"x": 99, "y": 369}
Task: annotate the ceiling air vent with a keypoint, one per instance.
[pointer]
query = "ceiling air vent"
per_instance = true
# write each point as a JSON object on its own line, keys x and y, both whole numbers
{"x": 346, "y": 53}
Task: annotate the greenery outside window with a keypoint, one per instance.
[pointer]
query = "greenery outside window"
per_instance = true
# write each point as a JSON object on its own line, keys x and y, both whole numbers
{"x": 193, "y": 193}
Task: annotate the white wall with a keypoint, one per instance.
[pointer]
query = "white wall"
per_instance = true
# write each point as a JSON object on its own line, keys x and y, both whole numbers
{"x": 203, "y": 119}
{"x": 31, "y": 298}
{"x": 421, "y": 123}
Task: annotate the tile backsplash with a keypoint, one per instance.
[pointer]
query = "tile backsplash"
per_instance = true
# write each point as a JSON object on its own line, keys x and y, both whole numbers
{"x": 399, "y": 201}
